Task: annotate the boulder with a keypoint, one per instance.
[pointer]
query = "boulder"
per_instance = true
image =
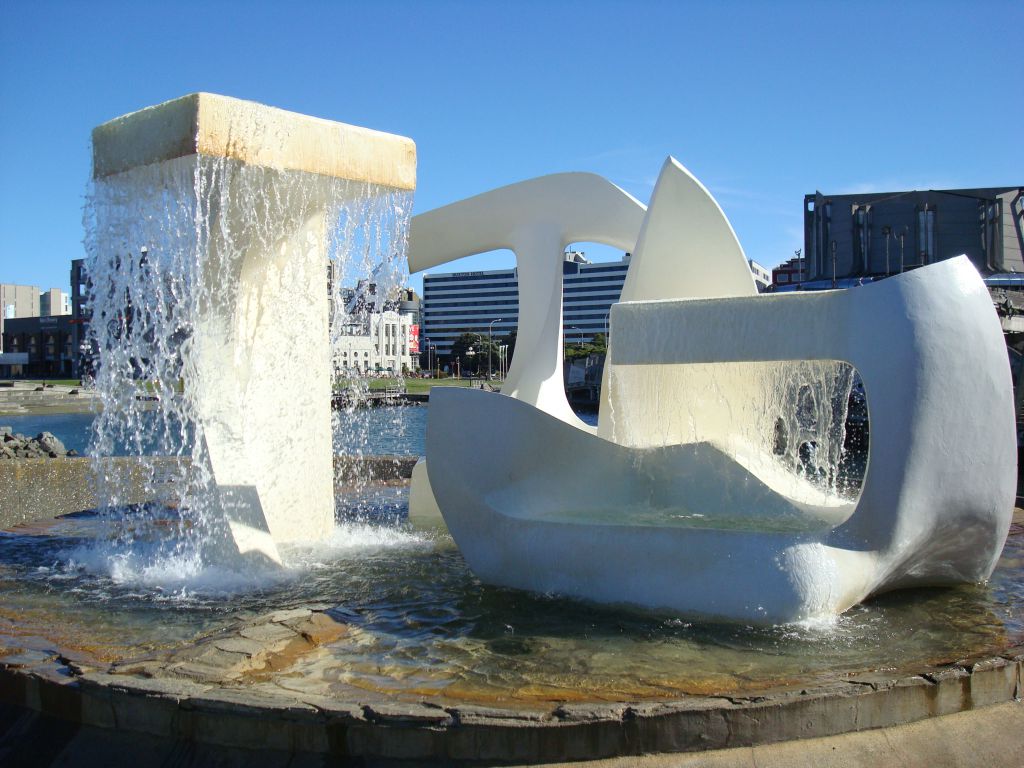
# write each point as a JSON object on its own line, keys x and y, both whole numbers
{"x": 49, "y": 443}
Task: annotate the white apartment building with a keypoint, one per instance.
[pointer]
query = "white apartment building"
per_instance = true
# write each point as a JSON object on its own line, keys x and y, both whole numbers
{"x": 762, "y": 277}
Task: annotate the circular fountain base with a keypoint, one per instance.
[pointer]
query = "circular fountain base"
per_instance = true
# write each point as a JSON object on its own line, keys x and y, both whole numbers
{"x": 189, "y": 704}
{"x": 408, "y": 657}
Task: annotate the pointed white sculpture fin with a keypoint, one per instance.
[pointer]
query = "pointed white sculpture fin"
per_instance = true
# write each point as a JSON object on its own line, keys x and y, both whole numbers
{"x": 687, "y": 249}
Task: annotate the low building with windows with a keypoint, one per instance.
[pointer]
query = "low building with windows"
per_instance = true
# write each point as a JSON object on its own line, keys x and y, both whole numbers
{"x": 81, "y": 314}
{"x": 39, "y": 347}
{"x": 376, "y": 343}
{"x": 789, "y": 272}
{"x": 17, "y": 301}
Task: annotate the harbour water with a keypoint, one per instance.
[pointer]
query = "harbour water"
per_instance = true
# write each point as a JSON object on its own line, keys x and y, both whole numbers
{"x": 383, "y": 430}
{"x": 393, "y": 430}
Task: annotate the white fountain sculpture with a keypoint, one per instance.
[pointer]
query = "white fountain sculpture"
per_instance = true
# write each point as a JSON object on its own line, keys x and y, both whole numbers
{"x": 684, "y": 500}
{"x": 239, "y": 197}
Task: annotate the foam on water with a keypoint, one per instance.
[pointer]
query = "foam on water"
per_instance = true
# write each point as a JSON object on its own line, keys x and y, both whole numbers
{"x": 157, "y": 567}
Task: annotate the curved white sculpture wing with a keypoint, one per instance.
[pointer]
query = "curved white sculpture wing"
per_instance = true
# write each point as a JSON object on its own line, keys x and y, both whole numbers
{"x": 686, "y": 527}
{"x": 535, "y": 219}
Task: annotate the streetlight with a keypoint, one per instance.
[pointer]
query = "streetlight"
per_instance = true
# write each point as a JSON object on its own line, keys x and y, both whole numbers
{"x": 902, "y": 235}
{"x": 490, "y": 327}
{"x": 429, "y": 366}
{"x": 579, "y": 332}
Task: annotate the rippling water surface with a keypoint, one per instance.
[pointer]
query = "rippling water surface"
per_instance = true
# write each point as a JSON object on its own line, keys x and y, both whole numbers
{"x": 421, "y": 624}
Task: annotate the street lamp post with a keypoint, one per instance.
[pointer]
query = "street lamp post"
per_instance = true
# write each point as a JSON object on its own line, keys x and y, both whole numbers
{"x": 902, "y": 235}
{"x": 579, "y": 332}
{"x": 490, "y": 327}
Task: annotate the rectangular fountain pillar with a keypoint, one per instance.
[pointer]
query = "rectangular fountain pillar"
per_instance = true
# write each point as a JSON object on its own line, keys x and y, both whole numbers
{"x": 260, "y": 362}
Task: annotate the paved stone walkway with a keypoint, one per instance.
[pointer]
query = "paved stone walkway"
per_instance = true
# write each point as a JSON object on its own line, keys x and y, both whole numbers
{"x": 991, "y": 737}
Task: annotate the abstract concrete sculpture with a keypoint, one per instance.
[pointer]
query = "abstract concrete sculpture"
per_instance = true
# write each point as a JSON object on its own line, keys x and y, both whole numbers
{"x": 260, "y": 182}
{"x": 535, "y": 220}
{"x": 684, "y": 500}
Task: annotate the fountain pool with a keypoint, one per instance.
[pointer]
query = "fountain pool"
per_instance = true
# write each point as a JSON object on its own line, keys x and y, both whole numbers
{"x": 419, "y": 624}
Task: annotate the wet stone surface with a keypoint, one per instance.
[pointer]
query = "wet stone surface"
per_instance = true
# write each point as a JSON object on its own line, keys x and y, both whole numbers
{"x": 252, "y": 651}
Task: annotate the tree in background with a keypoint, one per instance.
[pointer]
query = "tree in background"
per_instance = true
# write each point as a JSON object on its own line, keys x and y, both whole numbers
{"x": 469, "y": 354}
{"x": 596, "y": 346}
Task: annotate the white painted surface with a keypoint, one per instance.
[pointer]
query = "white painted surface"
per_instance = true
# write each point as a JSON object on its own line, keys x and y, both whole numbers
{"x": 686, "y": 250}
{"x": 549, "y": 508}
{"x": 536, "y": 220}
{"x": 672, "y": 511}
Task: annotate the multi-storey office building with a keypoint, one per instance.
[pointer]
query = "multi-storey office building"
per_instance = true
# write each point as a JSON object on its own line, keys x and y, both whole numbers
{"x": 762, "y": 277}
{"x": 54, "y": 302}
{"x": 17, "y": 301}
{"x": 488, "y": 301}
{"x": 885, "y": 233}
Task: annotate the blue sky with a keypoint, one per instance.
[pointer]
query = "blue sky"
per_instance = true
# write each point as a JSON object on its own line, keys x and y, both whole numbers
{"x": 764, "y": 102}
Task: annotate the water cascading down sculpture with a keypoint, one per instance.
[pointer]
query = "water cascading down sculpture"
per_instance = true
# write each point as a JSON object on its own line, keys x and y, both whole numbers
{"x": 689, "y": 496}
{"x": 213, "y": 223}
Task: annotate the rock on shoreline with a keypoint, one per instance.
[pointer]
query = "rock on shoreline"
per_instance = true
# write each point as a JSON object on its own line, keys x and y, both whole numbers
{"x": 44, "y": 445}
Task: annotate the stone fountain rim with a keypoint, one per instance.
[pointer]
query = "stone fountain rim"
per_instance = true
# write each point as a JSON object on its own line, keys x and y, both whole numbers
{"x": 378, "y": 726}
